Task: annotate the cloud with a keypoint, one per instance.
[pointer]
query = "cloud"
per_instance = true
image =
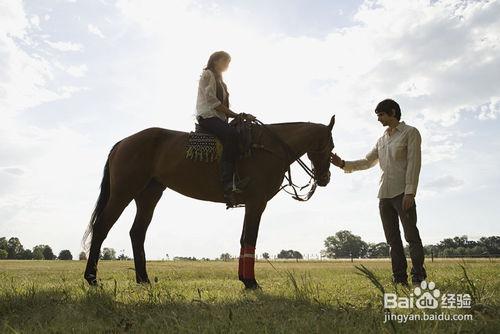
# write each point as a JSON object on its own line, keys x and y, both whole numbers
{"x": 23, "y": 77}
{"x": 65, "y": 46}
{"x": 489, "y": 110}
{"x": 444, "y": 183}
{"x": 77, "y": 71}
{"x": 13, "y": 170}
{"x": 95, "y": 30}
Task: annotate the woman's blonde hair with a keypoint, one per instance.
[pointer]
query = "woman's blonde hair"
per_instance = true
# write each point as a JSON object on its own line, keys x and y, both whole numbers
{"x": 214, "y": 57}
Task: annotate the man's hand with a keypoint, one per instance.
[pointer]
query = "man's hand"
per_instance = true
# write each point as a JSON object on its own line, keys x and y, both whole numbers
{"x": 336, "y": 160}
{"x": 250, "y": 117}
{"x": 408, "y": 201}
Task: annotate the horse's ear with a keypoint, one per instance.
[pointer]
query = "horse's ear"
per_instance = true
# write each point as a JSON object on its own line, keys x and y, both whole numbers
{"x": 332, "y": 123}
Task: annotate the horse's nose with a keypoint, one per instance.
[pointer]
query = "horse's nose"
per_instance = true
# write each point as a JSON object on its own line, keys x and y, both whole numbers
{"x": 324, "y": 180}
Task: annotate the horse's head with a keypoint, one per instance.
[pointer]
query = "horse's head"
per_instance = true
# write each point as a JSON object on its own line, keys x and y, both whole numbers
{"x": 320, "y": 155}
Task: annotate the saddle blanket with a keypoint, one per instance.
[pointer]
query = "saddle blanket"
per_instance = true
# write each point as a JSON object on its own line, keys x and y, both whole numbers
{"x": 203, "y": 147}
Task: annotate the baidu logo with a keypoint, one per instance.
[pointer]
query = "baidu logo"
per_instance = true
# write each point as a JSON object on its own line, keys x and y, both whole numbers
{"x": 427, "y": 297}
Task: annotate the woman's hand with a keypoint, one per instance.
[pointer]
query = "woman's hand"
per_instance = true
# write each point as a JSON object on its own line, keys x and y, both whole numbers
{"x": 248, "y": 117}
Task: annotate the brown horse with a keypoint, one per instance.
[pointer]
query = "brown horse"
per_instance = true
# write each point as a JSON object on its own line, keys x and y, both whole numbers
{"x": 142, "y": 166}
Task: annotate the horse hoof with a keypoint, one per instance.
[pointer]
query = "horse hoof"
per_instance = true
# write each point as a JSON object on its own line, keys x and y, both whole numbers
{"x": 92, "y": 280}
{"x": 251, "y": 284}
{"x": 143, "y": 281}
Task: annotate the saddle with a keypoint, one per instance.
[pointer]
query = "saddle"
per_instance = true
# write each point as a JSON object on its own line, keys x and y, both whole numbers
{"x": 205, "y": 147}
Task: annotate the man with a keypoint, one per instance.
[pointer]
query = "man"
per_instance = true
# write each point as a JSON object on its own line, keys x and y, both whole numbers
{"x": 398, "y": 153}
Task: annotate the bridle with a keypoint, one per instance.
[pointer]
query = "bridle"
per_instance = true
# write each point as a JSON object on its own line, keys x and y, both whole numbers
{"x": 289, "y": 154}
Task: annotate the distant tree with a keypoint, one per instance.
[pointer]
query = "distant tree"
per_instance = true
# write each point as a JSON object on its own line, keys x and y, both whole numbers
{"x": 377, "y": 250}
{"x": 3, "y": 254}
{"x": 26, "y": 254}
{"x": 225, "y": 256}
{"x": 344, "y": 244}
{"x": 429, "y": 249}
{"x": 491, "y": 244}
{"x": 477, "y": 251}
{"x": 123, "y": 257}
{"x": 265, "y": 255}
{"x": 3, "y": 244}
{"x": 184, "y": 258}
{"x": 108, "y": 254}
{"x": 38, "y": 252}
{"x": 47, "y": 253}
{"x": 447, "y": 243}
{"x": 289, "y": 254}
{"x": 461, "y": 246}
{"x": 82, "y": 256}
{"x": 449, "y": 252}
{"x": 14, "y": 248}
{"x": 65, "y": 254}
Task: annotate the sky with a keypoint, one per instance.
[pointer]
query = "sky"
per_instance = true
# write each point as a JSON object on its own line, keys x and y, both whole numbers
{"x": 78, "y": 76}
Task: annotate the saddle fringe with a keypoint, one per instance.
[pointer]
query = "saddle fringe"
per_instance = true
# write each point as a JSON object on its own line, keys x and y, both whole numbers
{"x": 204, "y": 153}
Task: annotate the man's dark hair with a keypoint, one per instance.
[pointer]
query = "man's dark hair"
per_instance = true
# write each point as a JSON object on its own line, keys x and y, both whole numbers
{"x": 390, "y": 107}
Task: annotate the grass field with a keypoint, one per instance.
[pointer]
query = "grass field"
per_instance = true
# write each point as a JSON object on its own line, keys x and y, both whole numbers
{"x": 206, "y": 297}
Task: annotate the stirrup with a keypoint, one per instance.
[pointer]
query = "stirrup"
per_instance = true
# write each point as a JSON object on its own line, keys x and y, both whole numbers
{"x": 230, "y": 200}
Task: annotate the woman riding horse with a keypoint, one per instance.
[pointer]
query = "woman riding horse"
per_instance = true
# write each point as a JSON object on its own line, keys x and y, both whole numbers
{"x": 212, "y": 113}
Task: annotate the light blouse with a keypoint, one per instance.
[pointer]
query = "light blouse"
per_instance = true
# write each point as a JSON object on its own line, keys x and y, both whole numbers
{"x": 207, "y": 99}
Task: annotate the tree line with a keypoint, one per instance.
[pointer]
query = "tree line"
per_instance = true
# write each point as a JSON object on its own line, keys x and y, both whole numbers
{"x": 345, "y": 244}
{"x": 12, "y": 248}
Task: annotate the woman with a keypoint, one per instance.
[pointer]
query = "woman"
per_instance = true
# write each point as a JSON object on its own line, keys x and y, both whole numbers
{"x": 212, "y": 113}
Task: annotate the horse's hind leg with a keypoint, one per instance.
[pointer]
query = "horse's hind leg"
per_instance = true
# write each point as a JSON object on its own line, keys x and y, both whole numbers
{"x": 253, "y": 213}
{"x": 103, "y": 224}
{"x": 146, "y": 202}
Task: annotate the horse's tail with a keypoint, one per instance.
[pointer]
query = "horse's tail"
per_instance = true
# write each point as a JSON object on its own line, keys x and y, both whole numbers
{"x": 102, "y": 200}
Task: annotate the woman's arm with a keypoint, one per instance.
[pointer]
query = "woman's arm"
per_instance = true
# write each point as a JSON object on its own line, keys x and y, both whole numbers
{"x": 210, "y": 89}
{"x": 223, "y": 109}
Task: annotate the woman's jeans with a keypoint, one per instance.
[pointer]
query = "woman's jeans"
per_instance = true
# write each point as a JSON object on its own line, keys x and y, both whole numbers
{"x": 229, "y": 139}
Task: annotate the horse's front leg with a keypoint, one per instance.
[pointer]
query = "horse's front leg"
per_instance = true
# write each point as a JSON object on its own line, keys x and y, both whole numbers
{"x": 246, "y": 274}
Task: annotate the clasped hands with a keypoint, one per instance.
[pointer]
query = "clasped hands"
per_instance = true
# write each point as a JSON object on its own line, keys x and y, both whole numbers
{"x": 247, "y": 117}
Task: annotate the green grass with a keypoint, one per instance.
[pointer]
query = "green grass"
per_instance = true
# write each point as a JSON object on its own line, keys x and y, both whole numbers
{"x": 206, "y": 297}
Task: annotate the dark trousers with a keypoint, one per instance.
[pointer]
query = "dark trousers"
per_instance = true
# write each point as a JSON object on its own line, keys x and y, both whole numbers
{"x": 391, "y": 211}
{"x": 229, "y": 139}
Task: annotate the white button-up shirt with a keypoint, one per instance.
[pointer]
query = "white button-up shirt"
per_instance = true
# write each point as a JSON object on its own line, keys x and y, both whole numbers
{"x": 399, "y": 156}
{"x": 207, "y": 99}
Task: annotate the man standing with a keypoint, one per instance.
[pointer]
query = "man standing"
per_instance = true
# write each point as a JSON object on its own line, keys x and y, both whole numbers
{"x": 399, "y": 155}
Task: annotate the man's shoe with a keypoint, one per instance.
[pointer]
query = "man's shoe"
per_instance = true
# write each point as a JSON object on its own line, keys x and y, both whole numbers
{"x": 416, "y": 281}
{"x": 402, "y": 282}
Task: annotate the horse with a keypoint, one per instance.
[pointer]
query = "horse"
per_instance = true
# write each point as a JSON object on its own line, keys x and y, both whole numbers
{"x": 140, "y": 167}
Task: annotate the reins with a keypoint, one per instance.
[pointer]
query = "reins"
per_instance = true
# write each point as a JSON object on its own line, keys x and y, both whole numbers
{"x": 291, "y": 154}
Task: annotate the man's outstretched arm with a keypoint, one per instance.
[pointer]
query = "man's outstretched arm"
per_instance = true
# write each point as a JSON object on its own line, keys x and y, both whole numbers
{"x": 369, "y": 161}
